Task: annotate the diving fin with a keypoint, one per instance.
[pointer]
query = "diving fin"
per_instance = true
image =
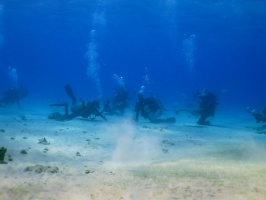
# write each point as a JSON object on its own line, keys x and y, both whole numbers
{"x": 71, "y": 95}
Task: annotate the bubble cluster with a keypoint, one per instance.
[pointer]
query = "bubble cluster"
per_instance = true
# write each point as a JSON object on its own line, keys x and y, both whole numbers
{"x": 146, "y": 87}
{"x": 188, "y": 49}
{"x": 13, "y": 75}
{"x": 93, "y": 68}
{"x": 93, "y": 64}
{"x": 120, "y": 80}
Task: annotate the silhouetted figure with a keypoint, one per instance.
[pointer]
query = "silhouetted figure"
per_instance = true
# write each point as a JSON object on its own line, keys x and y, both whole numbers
{"x": 119, "y": 103}
{"x": 13, "y": 96}
{"x": 82, "y": 109}
{"x": 207, "y": 107}
{"x": 152, "y": 109}
{"x": 260, "y": 117}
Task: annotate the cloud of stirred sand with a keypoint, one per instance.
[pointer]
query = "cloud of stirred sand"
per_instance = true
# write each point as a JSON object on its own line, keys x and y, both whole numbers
{"x": 132, "y": 146}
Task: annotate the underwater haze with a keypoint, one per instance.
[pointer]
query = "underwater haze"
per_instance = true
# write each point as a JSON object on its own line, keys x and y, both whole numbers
{"x": 172, "y": 47}
{"x": 169, "y": 49}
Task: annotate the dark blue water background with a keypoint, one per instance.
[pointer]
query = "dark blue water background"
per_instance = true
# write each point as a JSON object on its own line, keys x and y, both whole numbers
{"x": 173, "y": 47}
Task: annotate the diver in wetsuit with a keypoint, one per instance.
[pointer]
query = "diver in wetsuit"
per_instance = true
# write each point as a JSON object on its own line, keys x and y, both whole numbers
{"x": 260, "y": 117}
{"x": 152, "y": 109}
{"x": 119, "y": 103}
{"x": 207, "y": 107}
{"x": 83, "y": 109}
{"x": 13, "y": 95}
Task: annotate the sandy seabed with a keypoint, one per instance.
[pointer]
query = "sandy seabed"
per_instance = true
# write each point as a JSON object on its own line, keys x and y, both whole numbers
{"x": 121, "y": 159}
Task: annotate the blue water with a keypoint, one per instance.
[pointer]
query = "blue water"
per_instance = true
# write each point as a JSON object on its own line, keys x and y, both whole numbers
{"x": 173, "y": 47}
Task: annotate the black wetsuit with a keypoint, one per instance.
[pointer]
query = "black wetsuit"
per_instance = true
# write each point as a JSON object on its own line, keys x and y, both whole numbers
{"x": 118, "y": 105}
{"x": 82, "y": 109}
{"x": 207, "y": 107}
{"x": 120, "y": 101}
{"x": 13, "y": 96}
{"x": 151, "y": 109}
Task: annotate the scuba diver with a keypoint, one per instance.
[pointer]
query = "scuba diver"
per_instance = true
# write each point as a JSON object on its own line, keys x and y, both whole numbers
{"x": 260, "y": 117}
{"x": 83, "y": 109}
{"x": 152, "y": 109}
{"x": 119, "y": 103}
{"x": 207, "y": 107}
{"x": 13, "y": 95}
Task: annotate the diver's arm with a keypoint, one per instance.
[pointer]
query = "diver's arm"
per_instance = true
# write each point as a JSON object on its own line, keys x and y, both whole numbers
{"x": 259, "y": 117}
{"x": 97, "y": 113}
{"x": 103, "y": 117}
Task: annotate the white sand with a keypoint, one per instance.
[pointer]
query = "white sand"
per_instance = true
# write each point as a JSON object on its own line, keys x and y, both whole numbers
{"x": 132, "y": 161}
